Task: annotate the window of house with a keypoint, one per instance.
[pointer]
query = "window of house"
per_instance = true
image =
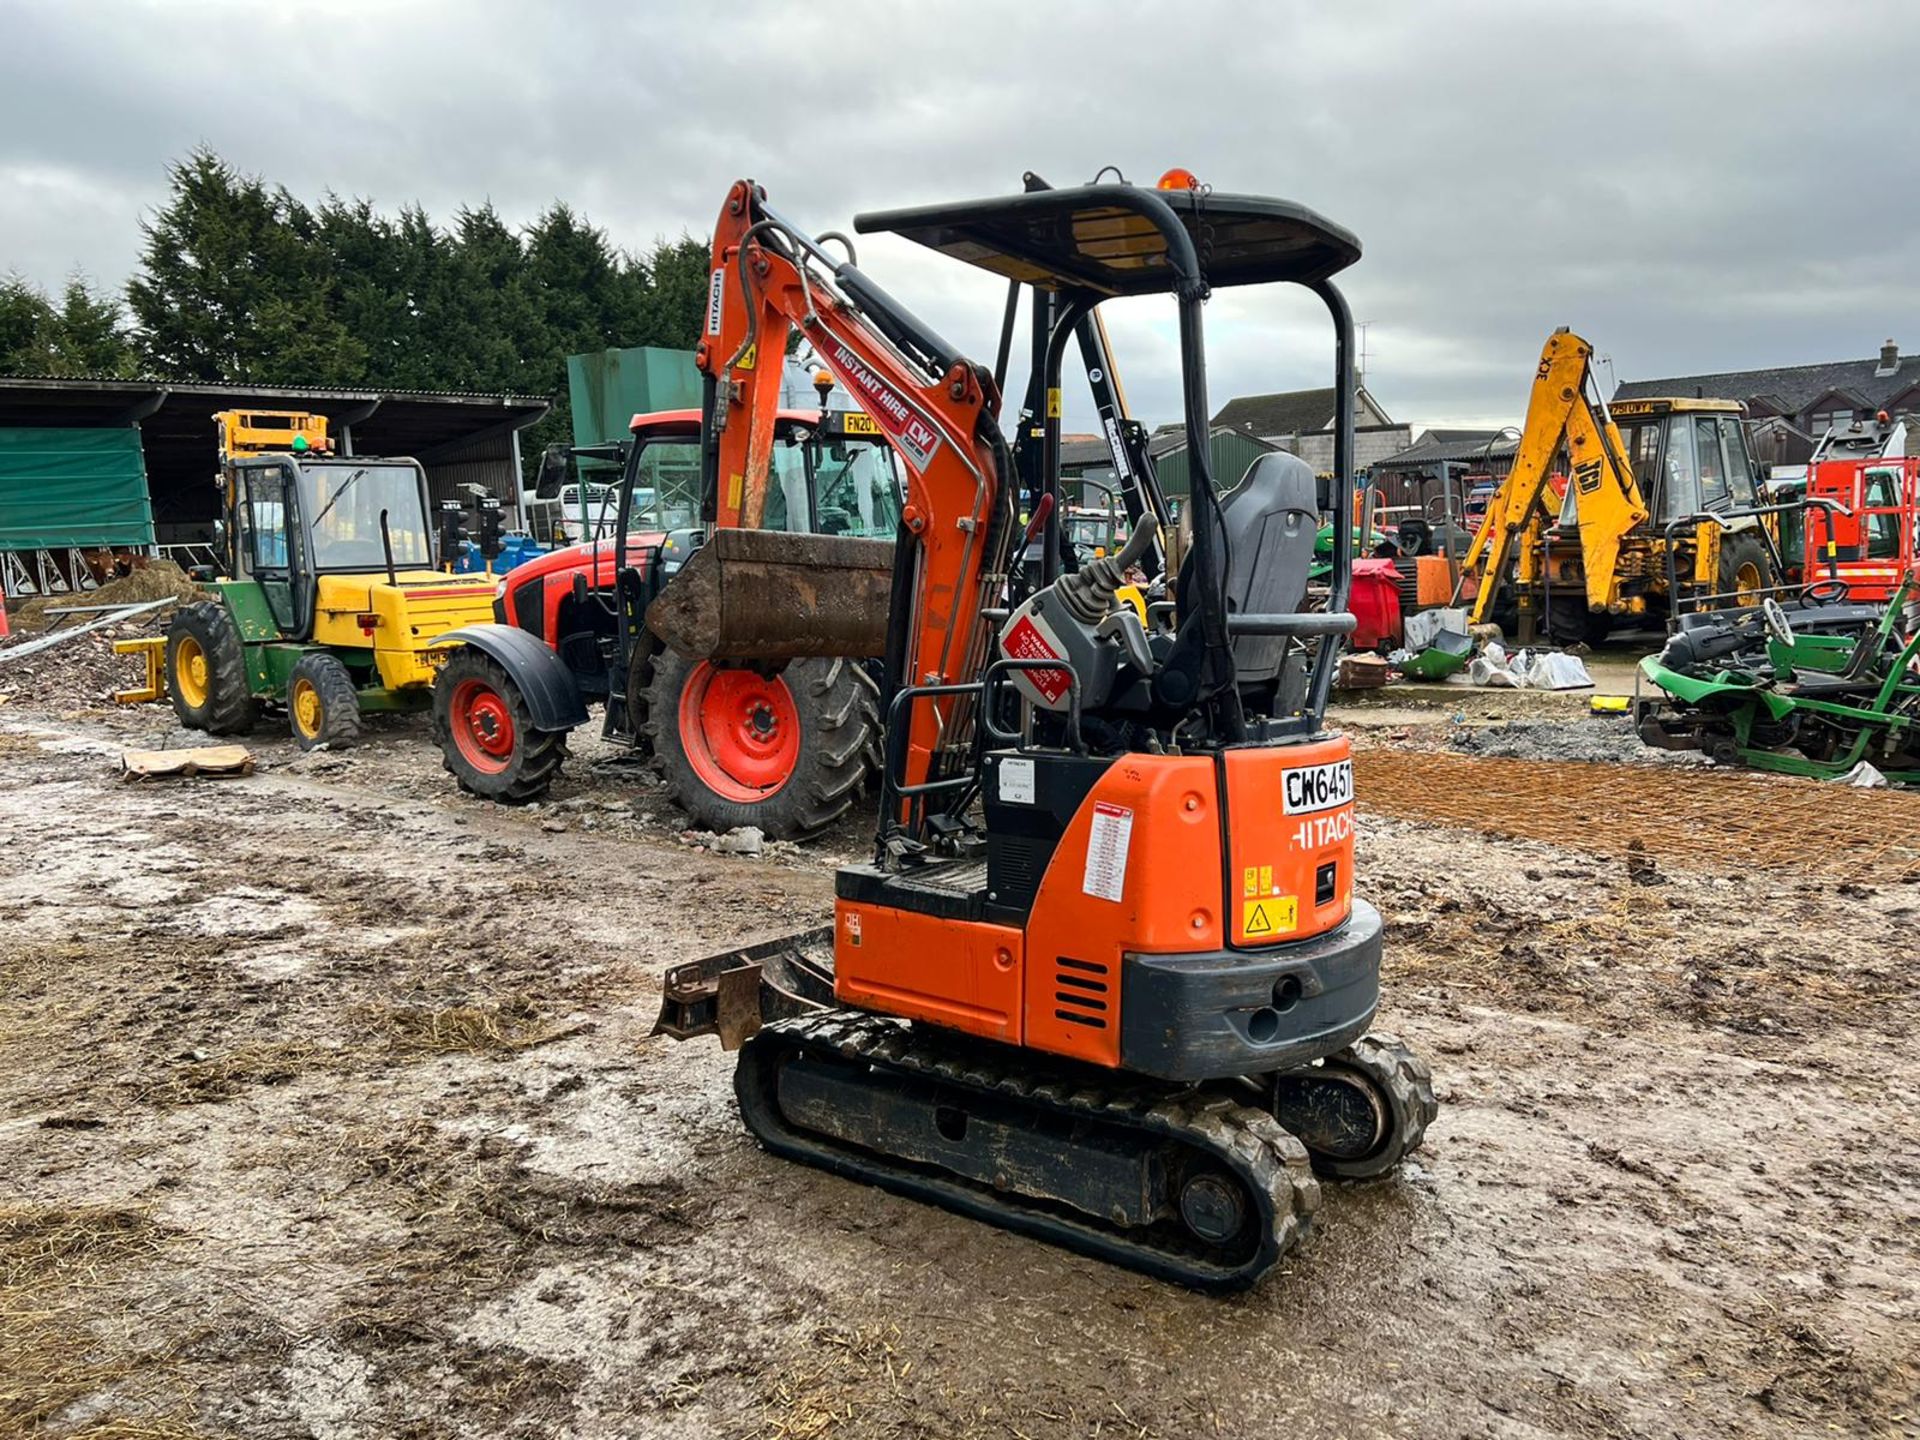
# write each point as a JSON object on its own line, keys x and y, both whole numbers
{"x": 1825, "y": 420}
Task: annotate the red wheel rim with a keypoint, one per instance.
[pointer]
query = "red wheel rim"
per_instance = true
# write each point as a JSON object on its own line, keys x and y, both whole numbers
{"x": 740, "y": 732}
{"x": 482, "y": 724}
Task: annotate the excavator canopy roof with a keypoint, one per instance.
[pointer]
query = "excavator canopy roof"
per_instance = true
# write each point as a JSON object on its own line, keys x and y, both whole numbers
{"x": 1105, "y": 238}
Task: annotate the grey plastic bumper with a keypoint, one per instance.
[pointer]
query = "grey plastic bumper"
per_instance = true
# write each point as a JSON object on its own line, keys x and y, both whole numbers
{"x": 1218, "y": 1013}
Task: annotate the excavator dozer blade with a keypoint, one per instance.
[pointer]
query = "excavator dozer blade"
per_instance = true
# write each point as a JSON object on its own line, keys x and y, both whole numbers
{"x": 734, "y": 993}
{"x": 768, "y": 595}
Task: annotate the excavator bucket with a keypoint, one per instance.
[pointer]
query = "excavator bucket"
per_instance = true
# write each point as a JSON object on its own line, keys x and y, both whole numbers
{"x": 734, "y": 993}
{"x": 768, "y": 595}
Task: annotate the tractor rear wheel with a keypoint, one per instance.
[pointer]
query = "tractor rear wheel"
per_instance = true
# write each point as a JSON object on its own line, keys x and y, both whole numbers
{"x": 646, "y": 654}
{"x": 206, "y": 670}
{"x": 322, "y": 704}
{"x": 787, "y": 753}
{"x": 1745, "y": 569}
{"x": 486, "y": 734}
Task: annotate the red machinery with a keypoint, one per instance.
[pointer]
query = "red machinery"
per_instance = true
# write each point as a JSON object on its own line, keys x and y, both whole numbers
{"x": 1868, "y": 542}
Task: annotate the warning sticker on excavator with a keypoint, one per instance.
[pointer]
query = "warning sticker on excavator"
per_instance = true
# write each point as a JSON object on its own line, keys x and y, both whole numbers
{"x": 747, "y": 357}
{"x": 916, "y": 439}
{"x": 1107, "y": 844}
{"x": 1271, "y": 915}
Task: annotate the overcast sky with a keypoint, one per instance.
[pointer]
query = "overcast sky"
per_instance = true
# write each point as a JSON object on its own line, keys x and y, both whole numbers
{"x": 1710, "y": 185}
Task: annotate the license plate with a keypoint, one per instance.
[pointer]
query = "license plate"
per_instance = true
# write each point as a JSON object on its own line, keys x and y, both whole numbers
{"x": 1318, "y": 787}
{"x": 434, "y": 658}
{"x": 855, "y": 422}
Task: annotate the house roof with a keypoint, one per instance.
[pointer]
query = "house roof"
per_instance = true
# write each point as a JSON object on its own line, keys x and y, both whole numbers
{"x": 1790, "y": 387}
{"x": 1436, "y": 447}
{"x": 1288, "y": 412}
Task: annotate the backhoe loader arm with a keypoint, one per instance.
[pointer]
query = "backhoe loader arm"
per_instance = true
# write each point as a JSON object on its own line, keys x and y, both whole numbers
{"x": 937, "y": 408}
{"x": 1607, "y": 499}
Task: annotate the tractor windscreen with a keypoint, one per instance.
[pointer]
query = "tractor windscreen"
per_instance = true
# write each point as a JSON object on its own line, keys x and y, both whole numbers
{"x": 344, "y": 501}
{"x": 851, "y": 487}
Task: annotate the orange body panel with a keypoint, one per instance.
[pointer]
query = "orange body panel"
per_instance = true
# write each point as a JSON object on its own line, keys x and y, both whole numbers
{"x": 1433, "y": 580}
{"x": 963, "y": 976}
{"x": 1279, "y": 841}
{"x": 1167, "y": 877}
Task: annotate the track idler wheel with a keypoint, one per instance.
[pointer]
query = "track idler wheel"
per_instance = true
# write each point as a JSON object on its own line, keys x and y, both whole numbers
{"x": 1361, "y": 1111}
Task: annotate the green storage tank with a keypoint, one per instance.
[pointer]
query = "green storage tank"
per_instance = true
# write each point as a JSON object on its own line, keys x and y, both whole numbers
{"x": 609, "y": 387}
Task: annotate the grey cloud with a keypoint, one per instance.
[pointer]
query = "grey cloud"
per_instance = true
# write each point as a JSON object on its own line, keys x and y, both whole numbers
{"x": 1693, "y": 187}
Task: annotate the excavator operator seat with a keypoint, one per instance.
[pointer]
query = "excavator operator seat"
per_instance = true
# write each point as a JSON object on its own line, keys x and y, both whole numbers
{"x": 1272, "y": 520}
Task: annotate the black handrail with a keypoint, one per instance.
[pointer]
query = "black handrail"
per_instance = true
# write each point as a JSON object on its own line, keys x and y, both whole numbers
{"x": 1724, "y": 519}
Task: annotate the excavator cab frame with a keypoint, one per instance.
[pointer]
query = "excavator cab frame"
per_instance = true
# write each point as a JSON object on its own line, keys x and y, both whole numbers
{"x": 1077, "y": 247}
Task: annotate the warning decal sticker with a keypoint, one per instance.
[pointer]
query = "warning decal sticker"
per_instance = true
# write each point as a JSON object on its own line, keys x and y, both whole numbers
{"x": 1274, "y": 915}
{"x": 1025, "y": 642}
{"x": 1107, "y": 845}
{"x": 917, "y": 440}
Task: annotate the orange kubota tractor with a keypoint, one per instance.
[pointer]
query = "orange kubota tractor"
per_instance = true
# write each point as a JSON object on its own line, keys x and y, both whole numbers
{"x": 1106, "y": 980}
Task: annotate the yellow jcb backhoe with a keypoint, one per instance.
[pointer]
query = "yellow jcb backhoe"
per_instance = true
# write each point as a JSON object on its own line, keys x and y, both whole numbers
{"x": 1655, "y": 514}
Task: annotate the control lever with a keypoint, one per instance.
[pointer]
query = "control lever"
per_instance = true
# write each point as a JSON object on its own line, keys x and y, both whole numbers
{"x": 1088, "y": 594}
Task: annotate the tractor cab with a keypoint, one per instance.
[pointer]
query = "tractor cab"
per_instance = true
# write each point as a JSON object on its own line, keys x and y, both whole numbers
{"x": 330, "y": 603}
{"x": 1688, "y": 456}
{"x": 316, "y": 531}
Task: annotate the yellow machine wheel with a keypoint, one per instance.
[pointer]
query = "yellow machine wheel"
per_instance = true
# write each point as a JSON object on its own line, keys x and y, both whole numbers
{"x": 323, "y": 707}
{"x": 190, "y": 673}
{"x": 1746, "y": 573}
{"x": 206, "y": 670}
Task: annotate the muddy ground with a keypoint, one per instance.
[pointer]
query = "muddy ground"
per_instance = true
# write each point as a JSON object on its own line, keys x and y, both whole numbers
{"x": 327, "y": 1109}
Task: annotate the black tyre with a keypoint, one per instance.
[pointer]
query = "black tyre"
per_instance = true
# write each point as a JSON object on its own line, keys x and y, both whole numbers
{"x": 788, "y": 753}
{"x": 487, "y": 738}
{"x": 1359, "y": 1112}
{"x": 206, "y": 670}
{"x": 322, "y": 706}
{"x": 646, "y": 653}
{"x": 1746, "y": 570}
{"x": 1571, "y": 623}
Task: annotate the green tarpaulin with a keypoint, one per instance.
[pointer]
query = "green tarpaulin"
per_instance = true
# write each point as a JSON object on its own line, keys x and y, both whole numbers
{"x": 72, "y": 487}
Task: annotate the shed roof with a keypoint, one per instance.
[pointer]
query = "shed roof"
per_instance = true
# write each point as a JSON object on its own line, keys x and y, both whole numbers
{"x": 1436, "y": 447}
{"x": 1286, "y": 412}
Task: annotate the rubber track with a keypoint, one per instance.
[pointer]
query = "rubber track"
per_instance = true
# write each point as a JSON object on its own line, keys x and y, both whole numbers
{"x": 1246, "y": 1142}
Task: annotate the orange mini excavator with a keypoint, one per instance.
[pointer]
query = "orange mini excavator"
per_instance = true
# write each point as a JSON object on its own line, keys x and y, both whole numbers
{"x": 1105, "y": 980}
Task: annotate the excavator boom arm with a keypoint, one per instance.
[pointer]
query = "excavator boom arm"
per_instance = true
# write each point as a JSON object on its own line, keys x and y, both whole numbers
{"x": 956, "y": 523}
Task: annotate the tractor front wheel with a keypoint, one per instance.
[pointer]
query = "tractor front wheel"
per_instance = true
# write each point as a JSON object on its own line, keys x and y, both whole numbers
{"x": 322, "y": 705}
{"x": 787, "y": 753}
{"x": 207, "y": 670}
{"x": 486, "y": 734}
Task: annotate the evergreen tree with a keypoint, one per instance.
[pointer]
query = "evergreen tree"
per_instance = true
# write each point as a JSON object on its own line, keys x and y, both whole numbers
{"x": 84, "y": 335}
{"x": 235, "y": 285}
